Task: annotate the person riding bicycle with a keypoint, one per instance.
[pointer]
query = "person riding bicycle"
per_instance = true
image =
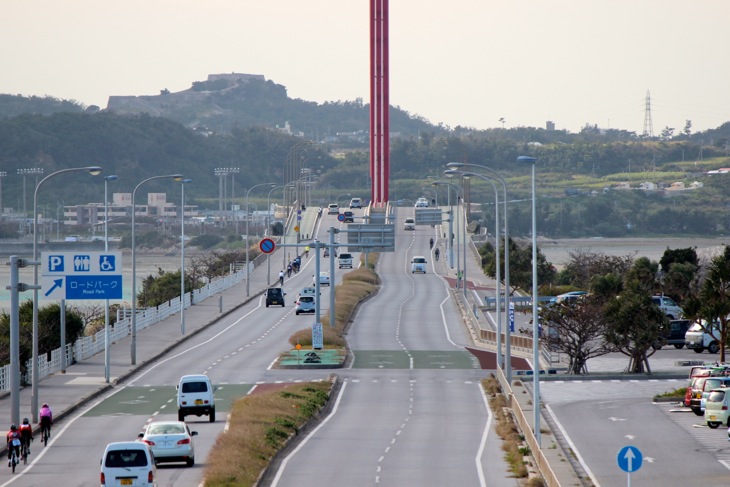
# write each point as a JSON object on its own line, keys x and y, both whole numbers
{"x": 11, "y": 437}
{"x": 436, "y": 254}
{"x": 26, "y": 433}
{"x": 430, "y": 242}
{"x": 281, "y": 277}
{"x": 46, "y": 418}
{"x": 288, "y": 270}
{"x": 306, "y": 251}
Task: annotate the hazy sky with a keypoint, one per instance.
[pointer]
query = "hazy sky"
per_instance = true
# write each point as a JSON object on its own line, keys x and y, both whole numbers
{"x": 456, "y": 62}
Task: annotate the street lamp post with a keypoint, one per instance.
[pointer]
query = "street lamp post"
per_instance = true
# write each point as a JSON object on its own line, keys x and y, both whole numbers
{"x": 94, "y": 171}
{"x": 248, "y": 219}
{"x": 337, "y": 200}
{"x": 2, "y": 175}
{"x": 467, "y": 175}
{"x": 176, "y": 177}
{"x": 107, "y": 357}
{"x": 535, "y": 326}
{"x": 451, "y": 218}
{"x": 508, "y": 338}
{"x": 268, "y": 229}
{"x": 29, "y": 171}
{"x": 182, "y": 254}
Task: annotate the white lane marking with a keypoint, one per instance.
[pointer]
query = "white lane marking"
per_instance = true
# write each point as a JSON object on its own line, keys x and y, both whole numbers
{"x": 311, "y": 435}
{"x": 485, "y": 435}
{"x": 572, "y": 446}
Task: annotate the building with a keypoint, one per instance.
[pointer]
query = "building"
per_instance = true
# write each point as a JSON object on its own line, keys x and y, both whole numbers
{"x": 120, "y": 208}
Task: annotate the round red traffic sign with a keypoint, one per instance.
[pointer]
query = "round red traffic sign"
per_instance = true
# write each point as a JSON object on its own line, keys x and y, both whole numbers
{"x": 267, "y": 245}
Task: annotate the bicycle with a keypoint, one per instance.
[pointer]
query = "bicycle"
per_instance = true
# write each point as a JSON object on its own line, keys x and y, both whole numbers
{"x": 436, "y": 254}
{"x": 45, "y": 433}
{"x": 25, "y": 451}
{"x": 14, "y": 454}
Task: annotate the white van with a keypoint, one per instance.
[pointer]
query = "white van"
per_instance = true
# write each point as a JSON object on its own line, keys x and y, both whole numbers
{"x": 128, "y": 463}
{"x": 418, "y": 264}
{"x": 195, "y": 396}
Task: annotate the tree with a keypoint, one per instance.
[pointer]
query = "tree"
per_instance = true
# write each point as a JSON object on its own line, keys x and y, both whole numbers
{"x": 687, "y": 130}
{"x": 164, "y": 287}
{"x": 575, "y": 328}
{"x": 711, "y": 302}
{"x": 633, "y": 324}
{"x": 520, "y": 265}
{"x": 585, "y": 264}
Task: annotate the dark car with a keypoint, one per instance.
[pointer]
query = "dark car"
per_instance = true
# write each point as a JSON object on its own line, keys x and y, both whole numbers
{"x": 349, "y": 217}
{"x": 675, "y": 335}
{"x": 275, "y": 295}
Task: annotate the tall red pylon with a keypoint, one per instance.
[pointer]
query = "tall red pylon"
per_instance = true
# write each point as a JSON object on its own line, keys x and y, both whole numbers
{"x": 379, "y": 102}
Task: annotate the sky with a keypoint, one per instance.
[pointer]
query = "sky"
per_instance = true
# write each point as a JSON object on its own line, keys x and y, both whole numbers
{"x": 463, "y": 63}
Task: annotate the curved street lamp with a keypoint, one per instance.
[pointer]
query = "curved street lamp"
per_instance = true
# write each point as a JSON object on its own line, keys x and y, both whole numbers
{"x": 248, "y": 219}
{"x": 176, "y": 177}
{"x": 535, "y": 325}
{"x": 107, "y": 338}
{"x": 183, "y": 182}
{"x": 94, "y": 171}
{"x": 508, "y": 338}
{"x": 268, "y": 229}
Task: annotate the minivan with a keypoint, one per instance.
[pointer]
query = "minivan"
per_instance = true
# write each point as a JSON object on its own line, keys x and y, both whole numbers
{"x": 128, "y": 463}
{"x": 717, "y": 407}
{"x": 418, "y": 264}
{"x": 275, "y": 295}
{"x": 195, "y": 396}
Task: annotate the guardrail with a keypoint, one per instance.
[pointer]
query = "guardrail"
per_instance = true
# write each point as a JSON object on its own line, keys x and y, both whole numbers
{"x": 89, "y": 346}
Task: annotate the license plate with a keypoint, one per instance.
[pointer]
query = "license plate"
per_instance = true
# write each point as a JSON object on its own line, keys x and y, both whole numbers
{"x": 198, "y": 402}
{"x": 713, "y": 417}
{"x": 166, "y": 444}
{"x": 125, "y": 482}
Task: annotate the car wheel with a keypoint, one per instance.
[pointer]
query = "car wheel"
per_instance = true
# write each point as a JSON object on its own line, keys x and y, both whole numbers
{"x": 678, "y": 345}
{"x": 670, "y": 317}
{"x": 713, "y": 424}
{"x": 180, "y": 416}
{"x": 211, "y": 416}
{"x": 714, "y": 347}
{"x": 190, "y": 462}
{"x": 699, "y": 350}
{"x": 657, "y": 345}
{"x": 296, "y": 313}
{"x": 267, "y": 305}
{"x": 698, "y": 411}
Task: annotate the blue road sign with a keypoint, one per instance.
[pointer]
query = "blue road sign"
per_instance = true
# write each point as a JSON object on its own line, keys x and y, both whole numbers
{"x": 267, "y": 245}
{"x": 341, "y": 217}
{"x": 94, "y": 287}
{"x": 629, "y": 459}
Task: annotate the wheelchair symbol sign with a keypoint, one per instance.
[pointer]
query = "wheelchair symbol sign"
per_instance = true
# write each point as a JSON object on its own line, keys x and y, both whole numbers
{"x": 107, "y": 263}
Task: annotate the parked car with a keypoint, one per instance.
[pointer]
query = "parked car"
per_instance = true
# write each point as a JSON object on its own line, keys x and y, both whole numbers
{"x": 409, "y": 224}
{"x": 355, "y": 203}
{"x": 345, "y": 260}
{"x": 333, "y": 209}
{"x": 275, "y": 295}
{"x": 349, "y": 217}
{"x": 128, "y": 463}
{"x": 718, "y": 407}
{"x": 418, "y": 264}
{"x": 669, "y": 307}
{"x": 675, "y": 335}
{"x": 570, "y": 296}
{"x": 170, "y": 441}
{"x": 324, "y": 279}
{"x": 195, "y": 395}
{"x": 305, "y": 304}
{"x": 710, "y": 384}
{"x": 701, "y": 336}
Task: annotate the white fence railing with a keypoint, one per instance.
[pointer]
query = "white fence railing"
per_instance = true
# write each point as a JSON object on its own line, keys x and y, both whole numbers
{"x": 88, "y": 346}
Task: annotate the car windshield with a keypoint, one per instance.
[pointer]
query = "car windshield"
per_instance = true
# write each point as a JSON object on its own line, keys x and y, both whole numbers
{"x": 166, "y": 429}
{"x": 125, "y": 458}
{"x": 306, "y": 299}
{"x": 419, "y": 260}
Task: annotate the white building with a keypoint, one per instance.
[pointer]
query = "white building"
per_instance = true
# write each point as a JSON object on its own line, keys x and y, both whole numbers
{"x": 120, "y": 208}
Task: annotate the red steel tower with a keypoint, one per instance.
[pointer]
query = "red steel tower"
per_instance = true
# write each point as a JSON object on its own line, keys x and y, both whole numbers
{"x": 379, "y": 102}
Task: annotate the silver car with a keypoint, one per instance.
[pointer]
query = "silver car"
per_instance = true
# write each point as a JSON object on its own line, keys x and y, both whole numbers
{"x": 305, "y": 304}
{"x": 170, "y": 441}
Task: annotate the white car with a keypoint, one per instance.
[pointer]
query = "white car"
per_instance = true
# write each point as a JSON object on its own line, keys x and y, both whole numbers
{"x": 355, "y": 203}
{"x": 170, "y": 441}
{"x": 421, "y": 203}
{"x": 418, "y": 264}
{"x": 333, "y": 209}
{"x": 324, "y": 279}
{"x": 128, "y": 463}
{"x": 409, "y": 224}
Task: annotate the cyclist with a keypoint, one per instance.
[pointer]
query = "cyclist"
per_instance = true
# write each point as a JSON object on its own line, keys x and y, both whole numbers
{"x": 288, "y": 270}
{"x": 281, "y": 277}
{"x": 46, "y": 419}
{"x": 430, "y": 243}
{"x": 306, "y": 251}
{"x": 26, "y": 434}
{"x": 13, "y": 442}
{"x": 436, "y": 254}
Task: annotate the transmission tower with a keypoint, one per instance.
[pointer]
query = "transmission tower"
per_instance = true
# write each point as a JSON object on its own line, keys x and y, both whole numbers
{"x": 648, "y": 128}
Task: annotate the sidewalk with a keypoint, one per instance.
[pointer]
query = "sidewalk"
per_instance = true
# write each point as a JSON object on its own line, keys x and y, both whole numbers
{"x": 84, "y": 381}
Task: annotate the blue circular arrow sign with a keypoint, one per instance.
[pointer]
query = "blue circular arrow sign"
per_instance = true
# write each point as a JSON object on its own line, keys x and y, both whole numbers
{"x": 629, "y": 459}
{"x": 341, "y": 217}
{"x": 267, "y": 245}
